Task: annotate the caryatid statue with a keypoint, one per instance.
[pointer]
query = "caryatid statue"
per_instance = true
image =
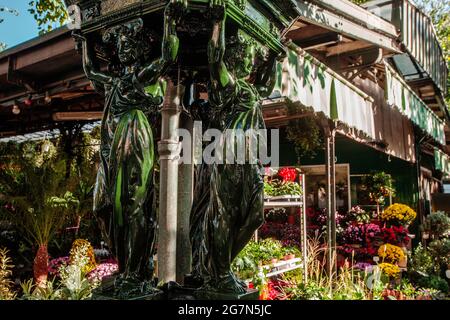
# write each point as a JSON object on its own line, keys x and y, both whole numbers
{"x": 124, "y": 193}
{"x": 233, "y": 199}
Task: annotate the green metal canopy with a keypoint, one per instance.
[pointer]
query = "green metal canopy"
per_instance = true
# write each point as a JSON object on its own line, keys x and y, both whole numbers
{"x": 442, "y": 162}
{"x": 402, "y": 97}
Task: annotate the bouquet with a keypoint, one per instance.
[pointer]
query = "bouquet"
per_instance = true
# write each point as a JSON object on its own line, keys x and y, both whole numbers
{"x": 391, "y": 253}
{"x": 398, "y": 214}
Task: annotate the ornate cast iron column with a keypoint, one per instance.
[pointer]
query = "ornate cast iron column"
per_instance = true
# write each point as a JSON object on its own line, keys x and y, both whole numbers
{"x": 169, "y": 151}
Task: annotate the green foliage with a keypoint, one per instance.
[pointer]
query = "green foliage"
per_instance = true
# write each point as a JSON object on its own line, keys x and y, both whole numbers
{"x": 348, "y": 284}
{"x": 379, "y": 185}
{"x": 47, "y": 13}
{"x": 277, "y": 187}
{"x": 440, "y": 250}
{"x": 437, "y": 224}
{"x": 359, "y": 1}
{"x": 73, "y": 283}
{"x": 30, "y": 291}
{"x": 306, "y": 136}
{"x": 6, "y": 285}
{"x": 259, "y": 253}
{"x": 434, "y": 282}
{"x": 421, "y": 261}
{"x": 307, "y": 291}
{"x": 47, "y": 185}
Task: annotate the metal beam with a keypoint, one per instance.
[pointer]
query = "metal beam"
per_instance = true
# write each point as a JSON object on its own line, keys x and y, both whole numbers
{"x": 359, "y": 14}
{"x": 320, "y": 41}
{"x": 314, "y": 14}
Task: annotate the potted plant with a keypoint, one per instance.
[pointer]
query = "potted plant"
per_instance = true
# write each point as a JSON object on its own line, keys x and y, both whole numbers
{"x": 398, "y": 214}
{"x": 290, "y": 252}
{"x": 379, "y": 186}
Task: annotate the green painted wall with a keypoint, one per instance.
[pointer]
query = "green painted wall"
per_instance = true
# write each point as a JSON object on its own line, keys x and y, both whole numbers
{"x": 362, "y": 160}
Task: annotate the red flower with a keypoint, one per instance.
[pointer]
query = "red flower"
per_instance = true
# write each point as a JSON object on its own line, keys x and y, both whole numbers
{"x": 287, "y": 174}
{"x": 395, "y": 235}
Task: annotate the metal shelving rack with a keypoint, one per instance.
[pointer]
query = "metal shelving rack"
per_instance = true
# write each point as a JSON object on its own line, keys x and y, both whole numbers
{"x": 290, "y": 201}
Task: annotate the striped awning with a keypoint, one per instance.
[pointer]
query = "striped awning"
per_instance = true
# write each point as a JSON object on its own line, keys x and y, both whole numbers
{"x": 303, "y": 79}
{"x": 442, "y": 162}
{"x": 402, "y": 97}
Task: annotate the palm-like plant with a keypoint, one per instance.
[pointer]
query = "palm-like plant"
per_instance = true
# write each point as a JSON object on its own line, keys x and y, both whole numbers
{"x": 33, "y": 183}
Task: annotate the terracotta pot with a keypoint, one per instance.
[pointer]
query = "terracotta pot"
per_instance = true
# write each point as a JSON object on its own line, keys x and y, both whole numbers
{"x": 40, "y": 266}
{"x": 289, "y": 256}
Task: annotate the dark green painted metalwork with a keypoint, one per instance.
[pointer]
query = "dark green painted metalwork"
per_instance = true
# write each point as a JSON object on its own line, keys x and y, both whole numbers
{"x": 124, "y": 197}
{"x": 228, "y": 203}
{"x": 230, "y": 196}
{"x": 247, "y": 17}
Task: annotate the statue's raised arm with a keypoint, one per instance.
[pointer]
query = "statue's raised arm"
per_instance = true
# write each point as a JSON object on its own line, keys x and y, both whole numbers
{"x": 151, "y": 72}
{"x": 266, "y": 74}
{"x": 88, "y": 64}
{"x": 221, "y": 78}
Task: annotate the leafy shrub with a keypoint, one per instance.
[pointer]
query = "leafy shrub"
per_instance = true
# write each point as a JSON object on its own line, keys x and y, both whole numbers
{"x": 6, "y": 285}
{"x": 421, "y": 260}
{"x": 379, "y": 186}
{"x": 276, "y": 187}
{"x": 437, "y": 224}
{"x": 434, "y": 282}
{"x": 440, "y": 250}
{"x": 45, "y": 291}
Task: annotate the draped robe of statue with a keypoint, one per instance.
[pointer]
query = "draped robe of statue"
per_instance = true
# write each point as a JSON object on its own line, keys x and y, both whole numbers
{"x": 124, "y": 192}
{"x": 229, "y": 198}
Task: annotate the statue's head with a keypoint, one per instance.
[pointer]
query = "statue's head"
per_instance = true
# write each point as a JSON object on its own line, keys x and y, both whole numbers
{"x": 128, "y": 41}
{"x": 240, "y": 54}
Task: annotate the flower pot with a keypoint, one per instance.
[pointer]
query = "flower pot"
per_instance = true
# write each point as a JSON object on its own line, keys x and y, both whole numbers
{"x": 404, "y": 262}
{"x": 273, "y": 261}
{"x": 289, "y": 257}
{"x": 291, "y": 219}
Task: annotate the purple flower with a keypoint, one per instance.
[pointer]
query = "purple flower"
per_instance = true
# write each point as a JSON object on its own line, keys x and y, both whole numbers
{"x": 103, "y": 270}
{"x": 363, "y": 266}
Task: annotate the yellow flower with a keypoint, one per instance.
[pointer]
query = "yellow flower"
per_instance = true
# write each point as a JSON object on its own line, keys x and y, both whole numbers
{"x": 391, "y": 270}
{"x": 84, "y": 248}
{"x": 391, "y": 253}
{"x": 398, "y": 212}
